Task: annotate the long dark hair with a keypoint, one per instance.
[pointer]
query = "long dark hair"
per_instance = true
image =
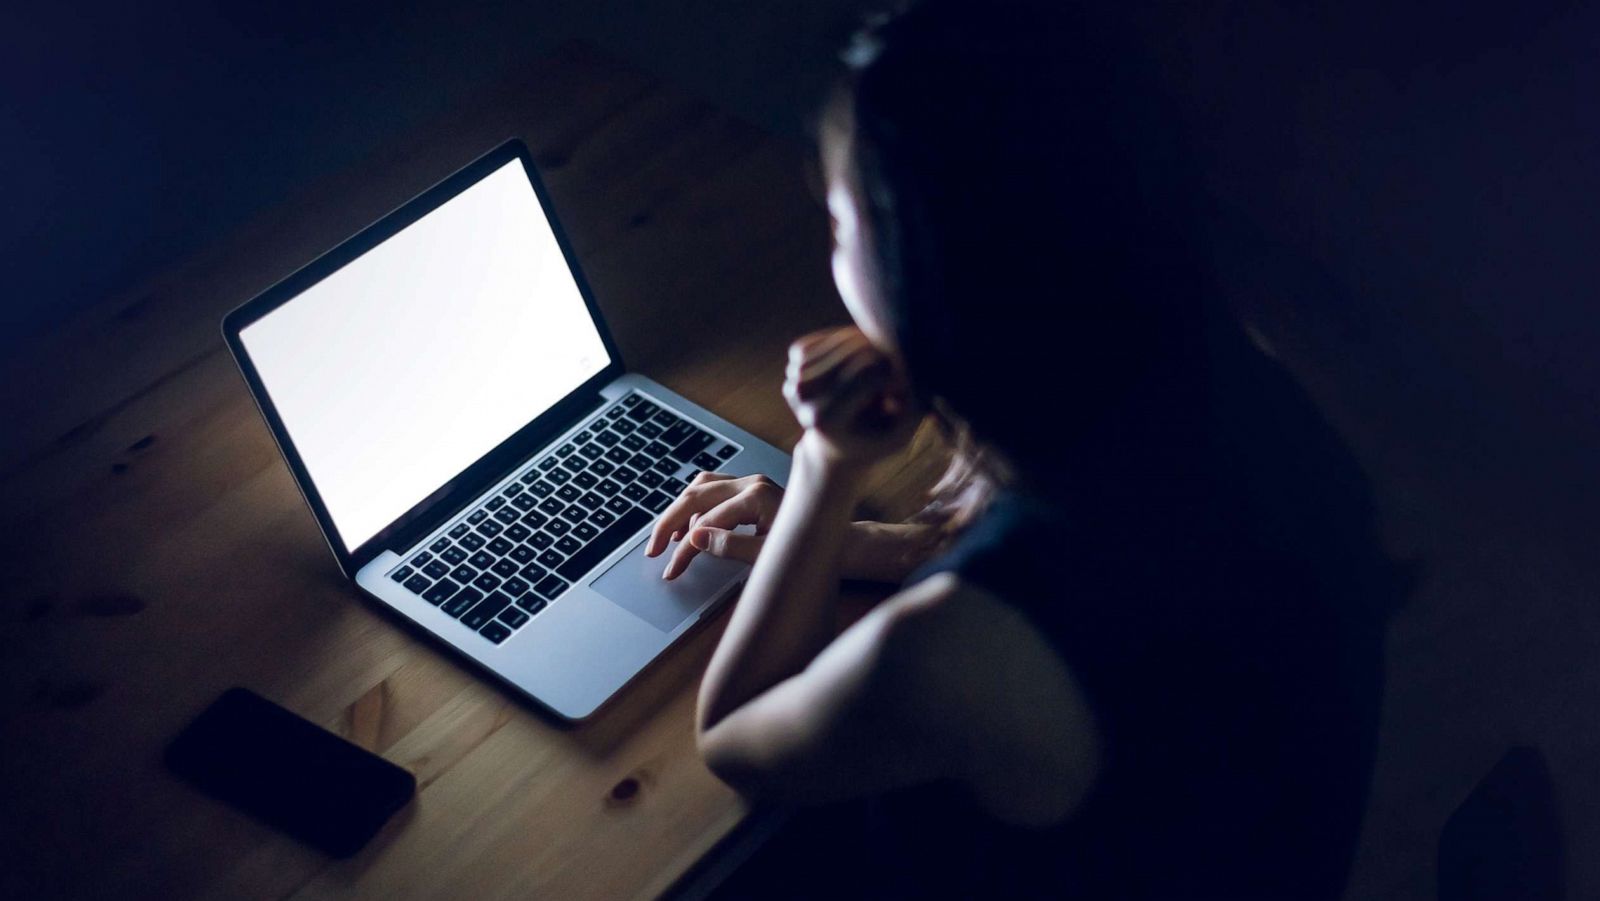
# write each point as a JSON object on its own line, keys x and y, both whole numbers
{"x": 1040, "y": 242}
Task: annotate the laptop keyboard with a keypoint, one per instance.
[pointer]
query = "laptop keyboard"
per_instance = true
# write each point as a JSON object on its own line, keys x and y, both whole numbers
{"x": 514, "y": 553}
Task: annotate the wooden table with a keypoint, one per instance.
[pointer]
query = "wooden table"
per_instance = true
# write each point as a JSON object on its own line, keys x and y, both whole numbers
{"x": 155, "y": 551}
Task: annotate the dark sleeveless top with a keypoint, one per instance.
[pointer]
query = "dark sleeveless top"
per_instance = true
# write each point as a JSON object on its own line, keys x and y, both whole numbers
{"x": 1229, "y": 642}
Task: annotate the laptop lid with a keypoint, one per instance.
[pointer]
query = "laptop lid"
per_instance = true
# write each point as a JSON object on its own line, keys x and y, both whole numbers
{"x": 427, "y": 355}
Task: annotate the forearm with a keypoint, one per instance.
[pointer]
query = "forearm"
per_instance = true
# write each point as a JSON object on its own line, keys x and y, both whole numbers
{"x": 786, "y": 614}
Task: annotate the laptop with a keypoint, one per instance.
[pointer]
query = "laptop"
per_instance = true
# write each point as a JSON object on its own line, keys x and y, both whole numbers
{"x": 452, "y": 406}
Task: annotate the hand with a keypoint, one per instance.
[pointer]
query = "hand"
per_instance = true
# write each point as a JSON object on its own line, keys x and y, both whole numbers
{"x": 880, "y": 552}
{"x": 707, "y": 512}
{"x": 850, "y": 397}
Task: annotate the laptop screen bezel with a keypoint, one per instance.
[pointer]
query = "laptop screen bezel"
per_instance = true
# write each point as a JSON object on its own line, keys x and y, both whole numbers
{"x": 429, "y": 512}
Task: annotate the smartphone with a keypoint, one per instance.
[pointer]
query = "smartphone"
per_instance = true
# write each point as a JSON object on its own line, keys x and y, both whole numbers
{"x": 289, "y": 773}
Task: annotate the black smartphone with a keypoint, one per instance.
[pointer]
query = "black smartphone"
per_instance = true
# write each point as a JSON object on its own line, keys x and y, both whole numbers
{"x": 247, "y": 751}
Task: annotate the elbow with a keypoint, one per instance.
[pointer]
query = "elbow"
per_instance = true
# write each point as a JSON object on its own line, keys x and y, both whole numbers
{"x": 729, "y": 762}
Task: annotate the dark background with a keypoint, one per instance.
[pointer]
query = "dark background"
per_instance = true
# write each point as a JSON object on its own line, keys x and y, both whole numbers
{"x": 1431, "y": 169}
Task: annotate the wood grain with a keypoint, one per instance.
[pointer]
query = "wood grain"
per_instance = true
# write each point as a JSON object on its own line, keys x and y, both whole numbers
{"x": 156, "y": 552}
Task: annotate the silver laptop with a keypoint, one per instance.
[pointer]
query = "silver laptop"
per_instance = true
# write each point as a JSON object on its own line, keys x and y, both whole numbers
{"x": 453, "y": 408}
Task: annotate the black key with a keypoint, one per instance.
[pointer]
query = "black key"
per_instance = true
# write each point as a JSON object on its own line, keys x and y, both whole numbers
{"x": 665, "y": 420}
{"x": 688, "y": 448}
{"x": 462, "y": 601}
{"x": 656, "y": 501}
{"x": 500, "y": 546}
{"x": 472, "y": 542}
{"x": 608, "y": 439}
{"x": 642, "y": 411}
{"x": 528, "y": 477}
{"x": 640, "y": 462}
{"x": 496, "y": 631}
{"x": 618, "y": 455}
{"x": 489, "y": 528}
{"x": 607, "y": 488}
{"x": 635, "y": 492}
{"x": 569, "y": 492}
{"x": 624, "y": 427}
{"x": 676, "y": 433}
{"x": 460, "y": 529}
{"x": 533, "y": 572}
{"x": 667, "y": 465}
{"x": 694, "y": 474}
{"x": 565, "y": 450}
{"x": 438, "y": 546}
{"x": 495, "y": 503}
{"x": 591, "y": 500}
{"x": 486, "y": 582}
{"x": 634, "y": 443}
{"x": 421, "y": 559}
{"x": 592, "y": 451}
{"x": 543, "y": 488}
{"x": 531, "y": 603}
{"x": 598, "y": 425}
{"x": 515, "y": 587}
{"x": 559, "y": 476}
{"x": 551, "y": 559}
{"x": 727, "y": 452}
{"x": 504, "y": 568}
{"x": 507, "y": 515}
{"x": 600, "y": 468}
{"x": 513, "y": 617}
{"x": 513, "y": 489}
{"x": 541, "y": 540}
{"x": 464, "y": 574}
{"x": 546, "y": 463}
{"x": 524, "y": 501}
{"x": 624, "y": 475}
{"x": 478, "y": 516}
{"x": 651, "y": 478}
{"x": 417, "y": 584}
{"x": 656, "y": 449}
{"x": 440, "y": 591}
{"x": 582, "y": 438}
{"x": 612, "y": 538}
{"x": 518, "y": 532}
{"x": 673, "y": 487}
{"x": 630, "y": 400}
{"x": 649, "y": 431}
{"x": 616, "y": 411}
{"x": 551, "y": 587}
{"x": 618, "y": 506}
{"x": 574, "y": 513}
{"x": 586, "y": 531}
{"x": 551, "y": 506}
{"x": 522, "y": 553}
{"x": 558, "y": 527}
{"x": 569, "y": 545}
{"x": 485, "y": 610}
{"x": 706, "y": 461}
{"x": 453, "y": 555}
{"x": 575, "y": 463}
{"x": 534, "y": 519}
{"x": 402, "y": 574}
{"x": 481, "y": 560}
{"x": 438, "y": 569}
{"x": 587, "y": 479}
{"x": 600, "y": 519}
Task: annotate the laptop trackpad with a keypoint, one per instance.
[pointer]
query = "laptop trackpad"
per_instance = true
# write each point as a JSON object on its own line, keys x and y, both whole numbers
{"x": 634, "y": 583}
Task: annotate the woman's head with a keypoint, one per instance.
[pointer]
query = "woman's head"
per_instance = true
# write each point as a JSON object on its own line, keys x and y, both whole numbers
{"x": 1013, "y": 211}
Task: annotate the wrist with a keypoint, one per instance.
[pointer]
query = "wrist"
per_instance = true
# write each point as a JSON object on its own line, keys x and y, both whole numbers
{"x": 815, "y": 456}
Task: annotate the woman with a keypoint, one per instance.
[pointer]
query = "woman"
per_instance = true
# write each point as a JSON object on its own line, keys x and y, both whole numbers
{"x": 1137, "y": 649}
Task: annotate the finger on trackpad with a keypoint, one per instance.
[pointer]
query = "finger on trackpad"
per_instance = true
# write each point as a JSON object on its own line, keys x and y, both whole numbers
{"x": 634, "y": 583}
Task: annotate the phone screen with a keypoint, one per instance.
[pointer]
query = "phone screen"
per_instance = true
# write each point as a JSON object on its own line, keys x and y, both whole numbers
{"x": 249, "y": 752}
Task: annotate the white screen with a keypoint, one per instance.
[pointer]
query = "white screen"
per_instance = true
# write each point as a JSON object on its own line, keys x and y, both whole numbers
{"x": 400, "y": 370}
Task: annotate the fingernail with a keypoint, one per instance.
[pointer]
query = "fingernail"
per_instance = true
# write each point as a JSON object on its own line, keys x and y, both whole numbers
{"x": 700, "y": 538}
